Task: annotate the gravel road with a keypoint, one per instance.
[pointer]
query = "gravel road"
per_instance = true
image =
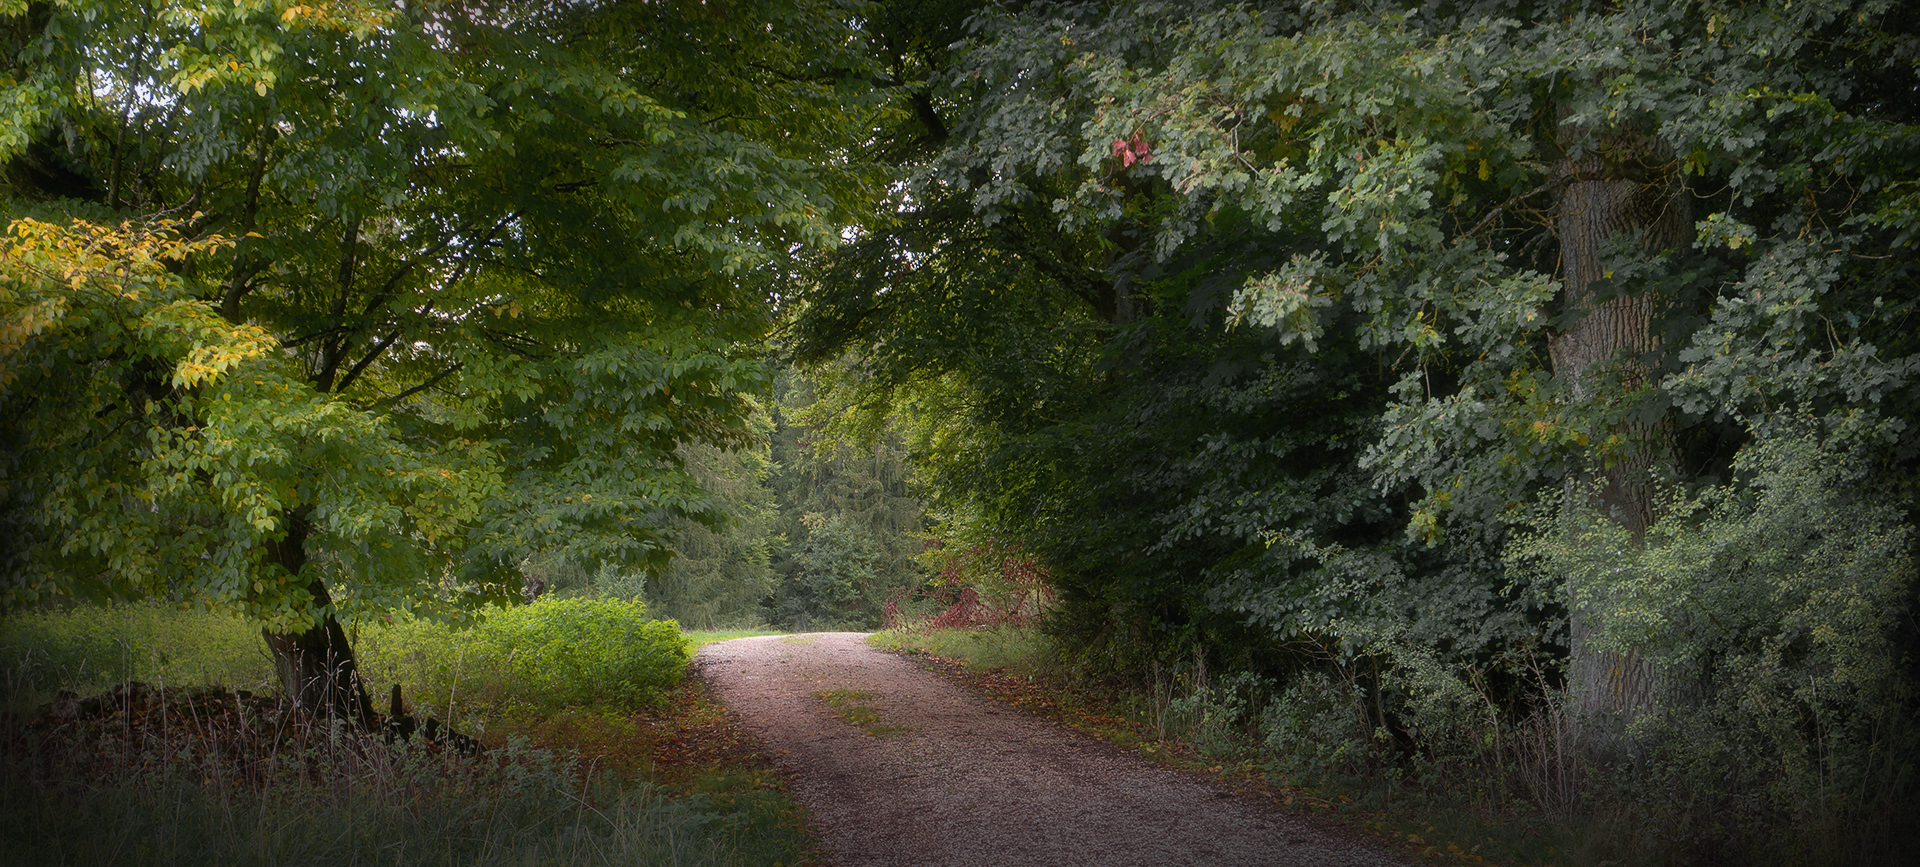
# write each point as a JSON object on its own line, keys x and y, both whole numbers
{"x": 969, "y": 780}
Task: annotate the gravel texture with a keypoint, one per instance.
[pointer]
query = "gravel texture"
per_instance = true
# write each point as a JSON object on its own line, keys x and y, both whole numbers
{"x": 972, "y": 781}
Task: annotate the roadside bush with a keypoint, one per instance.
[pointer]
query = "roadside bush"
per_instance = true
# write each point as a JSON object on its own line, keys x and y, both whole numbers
{"x": 980, "y": 580}
{"x": 1216, "y": 714}
{"x": 549, "y": 655}
{"x": 1773, "y": 607}
{"x": 1317, "y": 727}
{"x": 582, "y": 651}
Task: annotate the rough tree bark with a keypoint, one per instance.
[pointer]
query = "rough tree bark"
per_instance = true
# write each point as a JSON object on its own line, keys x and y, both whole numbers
{"x": 1624, "y": 188}
{"x": 316, "y": 666}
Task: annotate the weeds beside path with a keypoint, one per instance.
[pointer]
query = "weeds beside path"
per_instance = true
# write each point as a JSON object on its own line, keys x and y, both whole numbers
{"x": 146, "y": 775}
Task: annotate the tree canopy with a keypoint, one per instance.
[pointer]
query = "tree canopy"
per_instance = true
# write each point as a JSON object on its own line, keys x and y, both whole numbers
{"x": 385, "y": 298}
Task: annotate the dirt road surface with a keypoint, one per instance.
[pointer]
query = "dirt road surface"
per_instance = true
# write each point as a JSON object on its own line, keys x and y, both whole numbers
{"x": 941, "y": 776}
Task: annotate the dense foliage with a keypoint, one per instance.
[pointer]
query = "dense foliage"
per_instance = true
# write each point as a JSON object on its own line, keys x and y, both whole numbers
{"x": 848, "y": 514}
{"x": 1446, "y": 369}
{"x": 361, "y": 306}
{"x": 822, "y": 530}
{"x": 720, "y": 577}
{"x": 1498, "y": 358}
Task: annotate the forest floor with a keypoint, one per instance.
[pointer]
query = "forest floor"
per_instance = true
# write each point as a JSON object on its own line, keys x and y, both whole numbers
{"x": 897, "y": 765}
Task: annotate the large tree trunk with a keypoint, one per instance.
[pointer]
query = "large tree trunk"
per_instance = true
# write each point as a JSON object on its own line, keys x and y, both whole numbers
{"x": 316, "y": 666}
{"x": 1623, "y": 190}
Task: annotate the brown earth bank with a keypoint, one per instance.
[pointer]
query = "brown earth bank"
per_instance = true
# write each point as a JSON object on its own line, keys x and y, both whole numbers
{"x": 898, "y": 766}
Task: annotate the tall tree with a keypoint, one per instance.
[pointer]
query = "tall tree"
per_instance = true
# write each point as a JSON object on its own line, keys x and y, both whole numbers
{"x": 850, "y": 522}
{"x": 1619, "y": 193}
{"x": 487, "y": 266}
{"x": 720, "y": 577}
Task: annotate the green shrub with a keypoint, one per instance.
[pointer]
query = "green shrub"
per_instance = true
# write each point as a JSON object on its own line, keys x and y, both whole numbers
{"x": 1317, "y": 727}
{"x": 551, "y": 654}
{"x": 1216, "y": 713}
{"x": 584, "y": 651}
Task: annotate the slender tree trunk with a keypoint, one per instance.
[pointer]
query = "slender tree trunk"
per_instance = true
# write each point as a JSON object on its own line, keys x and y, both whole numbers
{"x": 1621, "y": 191}
{"x": 316, "y": 666}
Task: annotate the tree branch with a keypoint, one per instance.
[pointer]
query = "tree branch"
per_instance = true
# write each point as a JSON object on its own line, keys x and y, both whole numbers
{"x": 242, "y": 280}
{"x": 335, "y": 351}
{"x": 397, "y": 399}
{"x": 1496, "y": 212}
{"x": 378, "y": 349}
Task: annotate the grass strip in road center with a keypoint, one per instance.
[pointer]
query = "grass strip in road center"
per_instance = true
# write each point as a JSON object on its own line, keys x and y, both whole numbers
{"x": 853, "y": 706}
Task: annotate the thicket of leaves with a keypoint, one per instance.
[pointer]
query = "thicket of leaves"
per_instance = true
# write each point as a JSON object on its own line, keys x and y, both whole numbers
{"x": 823, "y": 527}
{"x": 1240, "y": 317}
{"x": 400, "y": 295}
{"x": 722, "y": 576}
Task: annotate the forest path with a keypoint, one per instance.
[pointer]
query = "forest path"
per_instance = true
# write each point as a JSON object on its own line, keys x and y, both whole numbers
{"x": 972, "y": 781}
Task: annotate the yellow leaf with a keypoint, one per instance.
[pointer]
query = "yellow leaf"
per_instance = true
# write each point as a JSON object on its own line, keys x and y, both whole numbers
{"x": 260, "y": 87}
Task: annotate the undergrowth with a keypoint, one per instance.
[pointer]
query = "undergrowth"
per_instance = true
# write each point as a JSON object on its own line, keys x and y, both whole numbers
{"x": 517, "y": 805}
{"x": 88, "y": 649}
{"x": 529, "y": 659}
{"x": 584, "y": 765}
{"x": 1012, "y": 649}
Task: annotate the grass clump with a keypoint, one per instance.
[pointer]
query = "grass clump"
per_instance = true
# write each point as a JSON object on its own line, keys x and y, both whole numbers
{"x": 1017, "y": 650}
{"x": 698, "y": 638}
{"x": 409, "y": 806}
{"x": 855, "y": 706}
